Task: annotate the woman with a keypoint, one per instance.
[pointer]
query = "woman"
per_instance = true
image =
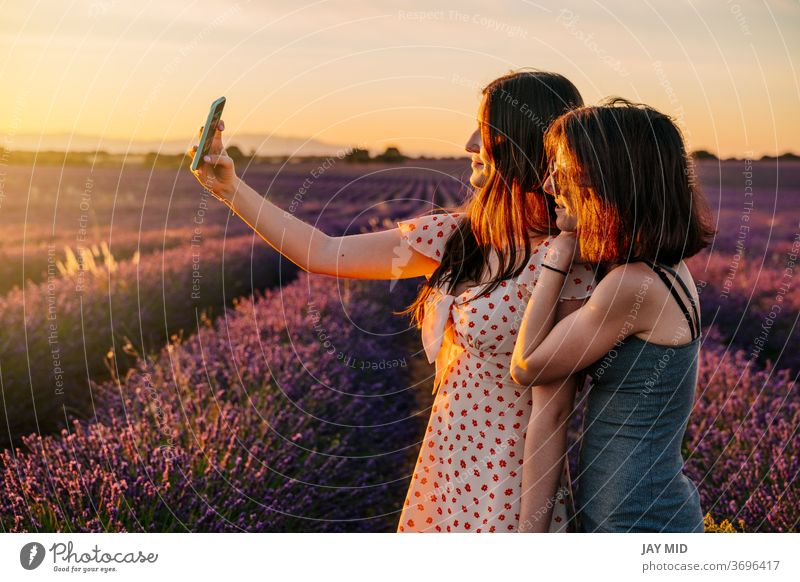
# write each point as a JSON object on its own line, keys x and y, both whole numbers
{"x": 620, "y": 179}
{"x": 480, "y": 262}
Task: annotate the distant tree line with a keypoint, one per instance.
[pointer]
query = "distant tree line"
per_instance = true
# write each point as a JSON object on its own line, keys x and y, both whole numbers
{"x": 706, "y": 155}
{"x": 391, "y": 155}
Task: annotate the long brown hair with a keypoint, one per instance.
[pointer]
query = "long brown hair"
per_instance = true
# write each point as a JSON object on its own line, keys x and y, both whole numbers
{"x": 500, "y": 215}
{"x": 629, "y": 178}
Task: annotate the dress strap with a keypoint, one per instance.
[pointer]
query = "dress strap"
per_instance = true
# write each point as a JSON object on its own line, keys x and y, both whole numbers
{"x": 688, "y": 295}
{"x": 694, "y": 322}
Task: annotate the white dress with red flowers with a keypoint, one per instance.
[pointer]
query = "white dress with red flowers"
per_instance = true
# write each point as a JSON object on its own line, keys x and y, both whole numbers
{"x": 468, "y": 476}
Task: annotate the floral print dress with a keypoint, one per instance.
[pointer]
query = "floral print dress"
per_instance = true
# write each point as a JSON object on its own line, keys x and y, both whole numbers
{"x": 468, "y": 476}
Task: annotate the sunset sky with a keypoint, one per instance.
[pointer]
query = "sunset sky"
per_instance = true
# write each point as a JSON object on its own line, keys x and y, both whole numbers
{"x": 378, "y": 73}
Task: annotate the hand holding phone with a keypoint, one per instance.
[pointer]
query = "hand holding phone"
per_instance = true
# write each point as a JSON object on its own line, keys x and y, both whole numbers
{"x": 210, "y": 164}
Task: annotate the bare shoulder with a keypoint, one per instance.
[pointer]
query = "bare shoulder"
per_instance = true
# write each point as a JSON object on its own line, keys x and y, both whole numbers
{"x": 622, "y": 286}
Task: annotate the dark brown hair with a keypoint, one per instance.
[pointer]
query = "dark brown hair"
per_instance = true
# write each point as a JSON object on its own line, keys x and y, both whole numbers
{"x": 501, "y": 215}
{"x": 628, "y": 176}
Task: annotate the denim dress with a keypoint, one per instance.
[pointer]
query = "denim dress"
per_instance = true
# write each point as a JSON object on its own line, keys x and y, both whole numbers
{"x": 630, "y": 476}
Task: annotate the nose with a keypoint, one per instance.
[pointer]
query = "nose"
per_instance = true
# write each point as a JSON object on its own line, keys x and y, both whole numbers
{"x": 549, "y": 186}
{"x": 473, "y": 145}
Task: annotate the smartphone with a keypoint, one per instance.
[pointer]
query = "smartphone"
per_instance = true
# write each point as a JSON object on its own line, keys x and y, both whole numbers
{"x": 209, "y": 129}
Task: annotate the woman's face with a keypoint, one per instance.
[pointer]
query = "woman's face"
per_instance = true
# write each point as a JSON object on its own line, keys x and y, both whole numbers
{"x": 480, "y": 159}
{"x": 556, "y": 186}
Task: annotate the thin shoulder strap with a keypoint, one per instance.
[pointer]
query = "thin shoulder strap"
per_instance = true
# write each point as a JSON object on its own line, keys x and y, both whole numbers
{"x": 685, "y": 290}
{"x": 659, "y": 270}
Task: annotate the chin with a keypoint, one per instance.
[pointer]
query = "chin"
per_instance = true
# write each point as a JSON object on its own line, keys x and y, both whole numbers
{"x": 566, "y": 224}
{"x": 477, "y": 179}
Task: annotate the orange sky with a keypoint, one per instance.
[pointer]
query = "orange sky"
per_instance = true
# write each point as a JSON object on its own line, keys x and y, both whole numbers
{"x": 391, "y": 73}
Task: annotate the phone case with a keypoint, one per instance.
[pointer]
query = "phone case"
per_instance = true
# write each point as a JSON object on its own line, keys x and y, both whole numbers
{"x": 210, "y": 126}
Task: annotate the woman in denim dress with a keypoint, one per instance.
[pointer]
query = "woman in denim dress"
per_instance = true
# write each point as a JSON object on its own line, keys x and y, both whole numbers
{"x": 620, "y": 177}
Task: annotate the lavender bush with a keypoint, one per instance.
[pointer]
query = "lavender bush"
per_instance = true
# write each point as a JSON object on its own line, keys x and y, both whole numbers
{"x": 753, "y": 303}
{"x": 276, "y": 418}
{"x": 41, "y": 254}
{"x": 742, "y": 445}
{"x": 61, "y": 332}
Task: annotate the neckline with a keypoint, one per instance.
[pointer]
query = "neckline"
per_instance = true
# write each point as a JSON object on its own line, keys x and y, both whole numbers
{"x": 546, "y": 239}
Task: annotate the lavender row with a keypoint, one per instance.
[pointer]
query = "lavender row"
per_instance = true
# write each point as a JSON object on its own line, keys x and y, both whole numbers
{"x": 281, "y": 416}
{"x": 742, "y": 445}
{"x": 59, "y": 333}
{"x": 34, "y": 259}
{"x": 753, "y": 303}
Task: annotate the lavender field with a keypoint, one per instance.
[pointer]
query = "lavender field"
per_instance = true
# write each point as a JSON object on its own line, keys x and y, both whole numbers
{"x": 185, "y": 378}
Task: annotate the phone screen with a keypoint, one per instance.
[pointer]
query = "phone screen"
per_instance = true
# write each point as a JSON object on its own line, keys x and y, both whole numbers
{"x": 209, "y": 129}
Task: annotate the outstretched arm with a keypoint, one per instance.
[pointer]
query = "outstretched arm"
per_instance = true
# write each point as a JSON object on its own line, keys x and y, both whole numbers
{"x": 378, "y": 255}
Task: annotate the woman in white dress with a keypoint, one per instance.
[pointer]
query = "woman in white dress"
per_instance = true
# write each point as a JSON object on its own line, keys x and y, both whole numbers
{"x": 481, "y": 262}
